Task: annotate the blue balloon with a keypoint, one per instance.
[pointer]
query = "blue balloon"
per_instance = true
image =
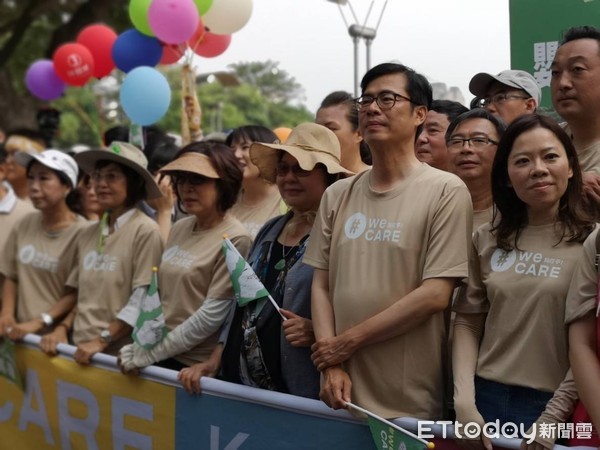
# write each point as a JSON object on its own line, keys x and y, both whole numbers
{"x": 133, "y": 49}
{"x": 145, "y": 95}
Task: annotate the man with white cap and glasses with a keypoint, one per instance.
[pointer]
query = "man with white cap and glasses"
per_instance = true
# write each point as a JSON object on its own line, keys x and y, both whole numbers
{"x": 387, "y": 252}
{"x": 508, "y": 95}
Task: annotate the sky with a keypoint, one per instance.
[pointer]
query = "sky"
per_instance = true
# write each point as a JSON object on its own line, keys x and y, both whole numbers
{"x": 448, "y": 41}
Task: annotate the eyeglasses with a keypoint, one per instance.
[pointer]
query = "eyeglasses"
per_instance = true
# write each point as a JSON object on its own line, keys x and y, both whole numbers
{"x": 385, "y": 100}
{"x": 283, "y": 169}
{"x": 108, "y": 177}
{"x": 475, "y": 142}
{"x": 192, "y": 178}
{"x": 500, "y": 98}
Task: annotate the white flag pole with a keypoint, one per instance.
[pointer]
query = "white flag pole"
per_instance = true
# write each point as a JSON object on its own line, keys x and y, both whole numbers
{"x": 429, "y": 445}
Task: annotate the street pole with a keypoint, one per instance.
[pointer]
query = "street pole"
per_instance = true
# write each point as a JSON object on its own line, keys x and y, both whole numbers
{"x": 368, "y": 34}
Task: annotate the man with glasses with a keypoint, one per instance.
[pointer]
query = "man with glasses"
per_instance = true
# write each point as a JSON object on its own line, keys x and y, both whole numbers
{"x": 472, "y": 139}
{"x": 508, "y": 95}
{"x": 388, "y": 245}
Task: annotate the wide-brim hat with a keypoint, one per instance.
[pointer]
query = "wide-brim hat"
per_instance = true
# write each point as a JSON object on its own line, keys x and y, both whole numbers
{"x": 192, "y": 162}
{"x": 53, "y": 159}
{"x": 309, "y": 143}
{"x": 125, "y": 154}
{"x": 518, "y": 79}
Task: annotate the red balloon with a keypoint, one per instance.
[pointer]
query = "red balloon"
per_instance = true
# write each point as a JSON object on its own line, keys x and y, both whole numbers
{"x": 171, "y": 53}
{"x": 213, "y": 44}
{"x": 197, "y": 37}
{"x": 99, "y": 40}
{"x": 73, "y": 63}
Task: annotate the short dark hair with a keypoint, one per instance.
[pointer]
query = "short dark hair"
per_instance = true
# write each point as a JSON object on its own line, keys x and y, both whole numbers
{"x": 227, "y": 166}
{"x": 583, "y": 32}
{"x": 136, "y": 186}
{"x": 449, "y": 108}
{"x": 510, "y": 214}
{"x": 478, "y": 113}
{"x": 117, "y": 133}
{"x": 3, "y": 154}
{"x": 418, "y": 88}
{"x": 29, "y": 133}
{"x": 345, "y": 98}
{"x": 160, "y": 149}
{"x": 252, "y": 133}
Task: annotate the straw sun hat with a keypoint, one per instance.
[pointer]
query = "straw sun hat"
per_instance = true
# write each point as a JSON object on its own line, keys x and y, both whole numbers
{"x": 309, "y": 143}
{"x": 125, "y": 154}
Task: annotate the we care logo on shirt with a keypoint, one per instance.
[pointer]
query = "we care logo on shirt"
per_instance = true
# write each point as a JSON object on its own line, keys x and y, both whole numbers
{"x": 29, "y": 255}
{"x": 96, "y": 262}
{"x": 373, "y": 229}
{"x": 526, "y": 263}
{"x": 178, "y": 257}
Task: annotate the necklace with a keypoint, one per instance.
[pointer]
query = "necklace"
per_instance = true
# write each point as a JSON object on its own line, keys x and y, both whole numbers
{"x": 280, "y": 265}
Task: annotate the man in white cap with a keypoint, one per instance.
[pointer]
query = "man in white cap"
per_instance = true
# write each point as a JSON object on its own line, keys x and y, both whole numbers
{"x": 508, "y": 95}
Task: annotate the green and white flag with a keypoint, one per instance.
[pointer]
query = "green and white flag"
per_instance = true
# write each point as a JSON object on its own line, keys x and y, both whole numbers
{"x": 8, "y": 363}
{"x": 150, "y": 326}
{"x": 246, "y": 284}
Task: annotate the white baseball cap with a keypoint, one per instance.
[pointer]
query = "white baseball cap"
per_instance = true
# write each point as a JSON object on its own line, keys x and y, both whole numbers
{"x": 54, "y": 159}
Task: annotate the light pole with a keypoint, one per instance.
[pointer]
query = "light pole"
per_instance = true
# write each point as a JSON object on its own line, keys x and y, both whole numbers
{"x": 358, "y": 32}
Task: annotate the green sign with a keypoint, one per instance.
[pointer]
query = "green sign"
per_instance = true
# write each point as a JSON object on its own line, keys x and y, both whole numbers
{"x": 536, "y": 28}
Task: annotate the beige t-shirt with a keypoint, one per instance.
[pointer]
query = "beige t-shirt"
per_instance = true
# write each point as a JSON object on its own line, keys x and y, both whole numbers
{"x": 378, "y": 247}
{"x": 105, "y": 281}
{"x": 482, "y": 217}
{"x": 523, "y": 293}
{"x": 581, "y": 298}
{"x": 40, "y": 263}
{"x": 193, "y": 269}
{"x": 589, "y": 157}
{"x": 253, "y": 217}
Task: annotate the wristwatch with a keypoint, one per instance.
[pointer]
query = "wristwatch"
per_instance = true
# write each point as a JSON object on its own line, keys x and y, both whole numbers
{"x": 106, "y": 336}
{"x": 47, "y": 319}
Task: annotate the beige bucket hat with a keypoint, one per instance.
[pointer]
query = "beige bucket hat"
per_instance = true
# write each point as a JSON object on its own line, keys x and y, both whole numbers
{"x": 125, "y": 154}
{"x": 192, "y": 162}
{"x": 309, "y": 143}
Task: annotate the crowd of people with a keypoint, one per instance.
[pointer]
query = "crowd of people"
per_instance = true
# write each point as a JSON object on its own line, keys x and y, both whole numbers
{"x": 423, "y": 259}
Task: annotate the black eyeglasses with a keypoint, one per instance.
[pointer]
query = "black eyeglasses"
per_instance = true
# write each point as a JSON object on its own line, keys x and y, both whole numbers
{"x": 501, "y": 98}
{"x": 283, "y": 169}
{"x": 475, "y": 142}
{"x": 385, "y": 100}
{"x": 188, "y": 177}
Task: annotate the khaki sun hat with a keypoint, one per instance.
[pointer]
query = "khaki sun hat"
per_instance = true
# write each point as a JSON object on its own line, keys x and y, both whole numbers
{"x": 192, "y": 162}
{"x": 125, "y": 154}
{"x": 309, "y": 143}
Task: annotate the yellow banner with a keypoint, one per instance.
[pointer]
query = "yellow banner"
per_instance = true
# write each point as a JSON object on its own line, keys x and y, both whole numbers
{"x": 68, "y": 406}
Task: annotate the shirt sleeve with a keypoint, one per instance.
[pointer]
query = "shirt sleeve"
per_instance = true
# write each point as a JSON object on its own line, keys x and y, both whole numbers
{"x": 581, "y": 298}
{"x": 319, "y": 243}
{"x": 8, "y": 260}
{"x": 147, "y": 250}
{"x": 473, "y": 299}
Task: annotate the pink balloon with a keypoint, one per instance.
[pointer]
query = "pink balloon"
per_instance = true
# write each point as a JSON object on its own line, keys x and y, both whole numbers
{"x": 213, "y": 44}
{"x": 173, "y": 21}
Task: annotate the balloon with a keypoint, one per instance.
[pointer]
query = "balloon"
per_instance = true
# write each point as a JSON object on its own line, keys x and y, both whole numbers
{"x": 197, "y": 38}
{"x": 99, "y": 40}
{"x": 133, "y": 49}
{"x": 213, "y": 44}
{"x": 138, "y": 13}
{"x": 282, "y": 133}
{"x": 171, "y": 54}
{"x": 173, "y": 21}
{"x": 42, "y": 81}
{"x": 145, "y": 95}
{"x": 203, "y": 6}
{"x": 73, "y": 63}
{"x": 227, "y": 16}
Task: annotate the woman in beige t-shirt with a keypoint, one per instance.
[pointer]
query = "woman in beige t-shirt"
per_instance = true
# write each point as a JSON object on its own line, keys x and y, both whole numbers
{"x": 510, "y": 354}
{"x": 194, "y": 283}
{"x": 39, "y": 255}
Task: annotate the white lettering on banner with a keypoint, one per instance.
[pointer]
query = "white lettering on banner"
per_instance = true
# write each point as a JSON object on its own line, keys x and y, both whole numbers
{"x": 235, "y": 443}
{"x": 374, "y": 229}
{"x": 529, "y": 263}
{"x": 68, "y": 424}
{"x": 122, "y": 437}
{"x": 33, "y": 391}
{"x": 543, "y": 55}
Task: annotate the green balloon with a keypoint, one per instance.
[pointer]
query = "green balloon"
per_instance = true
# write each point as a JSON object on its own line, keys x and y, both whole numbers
{"x": 203, "y": 6}
{"x": 138, "y": 13}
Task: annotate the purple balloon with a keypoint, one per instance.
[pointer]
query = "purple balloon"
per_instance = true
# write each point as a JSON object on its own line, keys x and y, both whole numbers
{"x": 42, "y": 81}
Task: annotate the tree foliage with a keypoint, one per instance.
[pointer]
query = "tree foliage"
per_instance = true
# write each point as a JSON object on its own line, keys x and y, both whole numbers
{"x": 33, "y": 29}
